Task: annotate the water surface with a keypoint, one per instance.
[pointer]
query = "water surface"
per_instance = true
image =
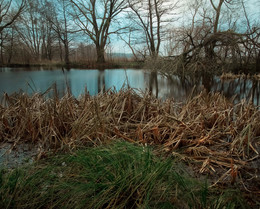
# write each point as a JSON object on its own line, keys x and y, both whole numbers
{"x": 32, "y": 80}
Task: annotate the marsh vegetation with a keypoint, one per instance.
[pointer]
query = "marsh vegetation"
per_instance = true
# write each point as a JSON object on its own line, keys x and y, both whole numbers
{"x": 129, "y": 148}
{"x": 208, "y": 133}
{"x": 118, "y": 175}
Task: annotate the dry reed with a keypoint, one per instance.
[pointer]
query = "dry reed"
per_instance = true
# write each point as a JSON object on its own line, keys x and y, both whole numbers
{"x": 209, "y": 132}
{"x": 232, "y": 76}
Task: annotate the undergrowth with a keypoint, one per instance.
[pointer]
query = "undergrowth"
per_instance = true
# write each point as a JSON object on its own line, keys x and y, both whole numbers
{"x": 117, "y": 175}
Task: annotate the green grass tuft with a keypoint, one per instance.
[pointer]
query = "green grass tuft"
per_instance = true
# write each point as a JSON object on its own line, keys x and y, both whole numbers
{"x": 119, "y": 175}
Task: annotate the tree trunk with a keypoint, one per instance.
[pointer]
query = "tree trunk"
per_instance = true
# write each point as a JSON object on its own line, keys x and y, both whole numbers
{"x": 11, "y": 47}
{"x": 66, "y": 48}
{"x": 154, "y": 54}
{"x": 257, "y": 65}
{"x": 209, "y": 50}
{"x": 1, "y": 46}
{"x": 100, "y": 54}
{"x": 60, "y": 47}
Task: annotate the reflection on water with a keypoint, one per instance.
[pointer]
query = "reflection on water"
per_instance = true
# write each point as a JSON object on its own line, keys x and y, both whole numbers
{"x": 95, "y": 81}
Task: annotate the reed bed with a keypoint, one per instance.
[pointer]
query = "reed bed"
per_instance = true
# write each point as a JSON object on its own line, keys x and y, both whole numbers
{"x": 208, "y": 132}
{"x": 232, "y": 76}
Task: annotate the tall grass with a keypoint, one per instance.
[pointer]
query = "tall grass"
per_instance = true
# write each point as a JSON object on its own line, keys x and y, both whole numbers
{"x": 119, "y": 175}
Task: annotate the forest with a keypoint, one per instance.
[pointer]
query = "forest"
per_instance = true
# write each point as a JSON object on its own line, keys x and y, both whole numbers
{"x": 198, "y": 34}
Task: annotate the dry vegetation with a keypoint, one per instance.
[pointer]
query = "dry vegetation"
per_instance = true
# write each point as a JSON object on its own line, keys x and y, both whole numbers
{"x": 230, "y": 76}
{"x": 208, "y": 132}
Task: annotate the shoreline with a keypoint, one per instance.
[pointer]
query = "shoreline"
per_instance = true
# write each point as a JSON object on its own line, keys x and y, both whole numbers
{"x": 91, "y": 65}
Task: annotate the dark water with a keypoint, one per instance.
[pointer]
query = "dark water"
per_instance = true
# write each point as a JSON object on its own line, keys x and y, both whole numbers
{"x": 95, "y": 81}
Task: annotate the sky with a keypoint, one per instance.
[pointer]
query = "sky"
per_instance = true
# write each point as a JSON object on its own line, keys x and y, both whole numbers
{"x": 252, "y": 7}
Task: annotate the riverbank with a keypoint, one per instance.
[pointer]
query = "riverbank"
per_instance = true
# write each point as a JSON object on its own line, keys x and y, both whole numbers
{"x": 212, "y": 136}
{"x": 78, "y": 65}
{"x": 165, "y": 65}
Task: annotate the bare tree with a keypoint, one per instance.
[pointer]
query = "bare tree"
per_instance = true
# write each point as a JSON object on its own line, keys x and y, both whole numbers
{"x": 59, "y": 19}
{"x": 194, "y": 32}
{"x": 217, "y": 9}
{"x": 7, "y": 36}
{"x": 213, "y": 39}
{"x": 217, "y": 12}
{"x": 9, "y": 12}
{"x": 35, "y": 32}
{"x": 151, "y": 17}
{"x": 95, "y": 17}
{"x": 85, "y": 53}
{"x": 46, "y": 10}
{"x": 135, "y": 43}
{"x": 31, "y": 29}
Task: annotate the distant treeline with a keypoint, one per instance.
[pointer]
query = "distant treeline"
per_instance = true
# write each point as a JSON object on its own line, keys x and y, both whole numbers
{"x": 199, "y": 33}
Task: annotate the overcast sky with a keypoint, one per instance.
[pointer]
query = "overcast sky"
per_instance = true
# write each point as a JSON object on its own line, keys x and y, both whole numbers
{"x": 253, "y": 11}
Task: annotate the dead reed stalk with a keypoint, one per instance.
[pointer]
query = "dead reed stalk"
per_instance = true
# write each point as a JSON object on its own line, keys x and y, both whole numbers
{"x": 216, "y": 136}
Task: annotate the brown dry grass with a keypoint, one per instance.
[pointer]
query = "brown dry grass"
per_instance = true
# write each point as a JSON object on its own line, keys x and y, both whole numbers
{"x": 208, "y": 132}
{"x": 231, "y": 76}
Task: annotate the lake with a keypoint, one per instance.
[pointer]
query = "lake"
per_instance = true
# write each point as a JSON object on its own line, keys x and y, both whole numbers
{"x": 32, "y": 80}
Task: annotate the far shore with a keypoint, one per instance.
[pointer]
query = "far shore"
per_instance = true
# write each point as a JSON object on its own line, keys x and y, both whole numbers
{"x": 86, "y": 65}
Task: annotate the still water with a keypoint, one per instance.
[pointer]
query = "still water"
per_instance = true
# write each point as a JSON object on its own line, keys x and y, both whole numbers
{"x": 32, "y": 80}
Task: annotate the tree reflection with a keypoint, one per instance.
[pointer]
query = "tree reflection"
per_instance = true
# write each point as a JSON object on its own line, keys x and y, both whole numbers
{"x": 181, "y": 87}
{"x": 207, "y": 80}
{"x": 68, "y": 82}
{"x": 153, "y": 83}
{"x": 240, "y": 88}
{"x": 101, "y": 81}
{"x": 255, "y": 92}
